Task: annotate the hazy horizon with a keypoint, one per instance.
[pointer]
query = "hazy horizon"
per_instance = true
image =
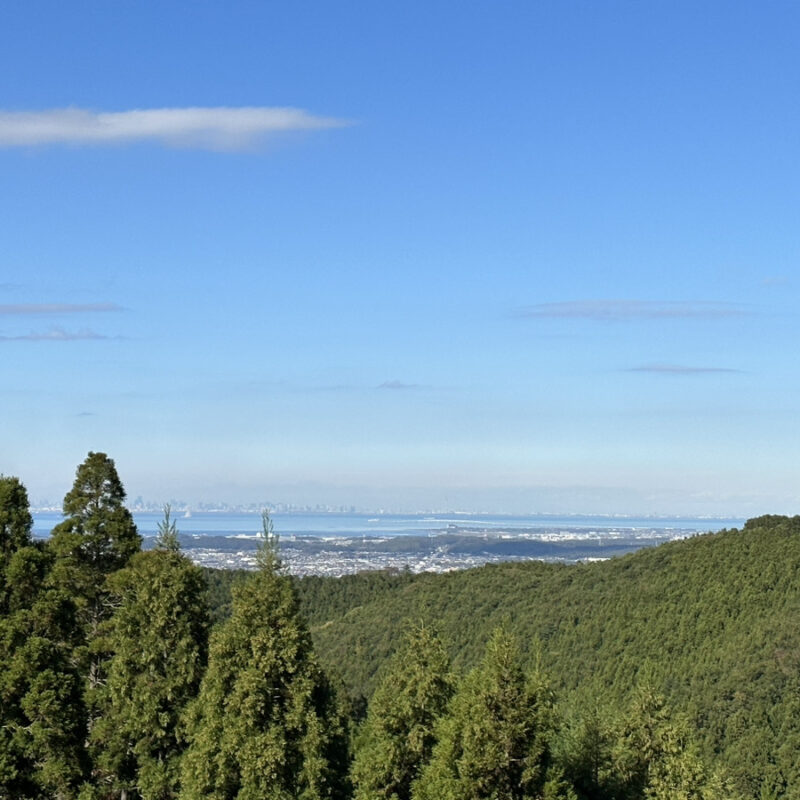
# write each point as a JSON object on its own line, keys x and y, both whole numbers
{"x": 490, "y": 257}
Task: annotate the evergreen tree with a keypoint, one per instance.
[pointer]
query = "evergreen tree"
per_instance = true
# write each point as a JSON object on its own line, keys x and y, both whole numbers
{"x": 158, "y": 639}
{"x": 655, "y": 760}
{"x": 495, "y": 741}
{"x": 167, "y": 538}
{"x": 398, "y": 736}
{"x": 16, "y": 525}
{"x": 16, "y": 522}
{"x": 585, "y": 742}
{"x": 98, "y": 535}
{"x": 41, "y": 711}
{"x": 265, "y": 725}
{"x": 97, "y": 538}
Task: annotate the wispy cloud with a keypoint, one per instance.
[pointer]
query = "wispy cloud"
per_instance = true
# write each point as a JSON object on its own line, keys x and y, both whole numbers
{"x": 24, "y": 309}
{"x": 56, "y": 335}
{"x": 775, "y": 280}
{"x": 679, "y": 369}
{"x": 399, "y": 385}
{"x": 630, "y": 310}
{"x": 215, "y": 128}
{"x": 326, "y": 387}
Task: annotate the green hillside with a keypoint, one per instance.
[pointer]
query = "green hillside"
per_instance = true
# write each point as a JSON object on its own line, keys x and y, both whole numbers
{"x": 669, "y": 674}
{"x": 712, "y": 620}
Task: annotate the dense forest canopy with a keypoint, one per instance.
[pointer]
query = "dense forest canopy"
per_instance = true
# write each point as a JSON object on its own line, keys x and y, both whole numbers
{"x": 673, "y": 672}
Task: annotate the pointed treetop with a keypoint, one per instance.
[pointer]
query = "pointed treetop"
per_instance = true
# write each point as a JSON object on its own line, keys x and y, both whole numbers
{"x": 267, "y": 555}
{"x": 97, "y": 488}
{"x": 167, "y": 538}
{"x": 98, "y": 530}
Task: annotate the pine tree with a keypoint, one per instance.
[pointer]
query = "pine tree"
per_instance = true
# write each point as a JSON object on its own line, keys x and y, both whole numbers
{"x": 495, "y": 741}
{"x": 265, "y": 725}
{"x": 158, "y": 638}
{"x": 398, "y": 736}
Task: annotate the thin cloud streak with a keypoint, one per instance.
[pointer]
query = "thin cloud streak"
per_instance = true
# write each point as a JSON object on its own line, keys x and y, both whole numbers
{"x": 776, "y": 280}
{"x": 210, "y": 128}
{"x": 23, "y": 309}
{"x": 630, "y": 310}
{"x": 399, "y": 385}
{"x": 57, "y": 335}
{"x": 678, "y": 369}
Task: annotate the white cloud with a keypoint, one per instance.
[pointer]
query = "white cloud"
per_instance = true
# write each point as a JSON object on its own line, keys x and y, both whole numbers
{"x": 218, "y": 128}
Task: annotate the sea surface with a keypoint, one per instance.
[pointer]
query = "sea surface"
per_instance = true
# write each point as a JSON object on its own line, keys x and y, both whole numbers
{"x": 325, "y": 524}
{"x": 338, "y": 543}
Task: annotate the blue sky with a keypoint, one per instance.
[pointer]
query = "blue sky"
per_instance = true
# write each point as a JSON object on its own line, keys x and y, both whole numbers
{"x": 513, "y": 256}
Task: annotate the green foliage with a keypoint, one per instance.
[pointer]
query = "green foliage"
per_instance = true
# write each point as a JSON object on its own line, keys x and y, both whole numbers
{"x": 167, "y": 538}
{"x": 268, "y": 554}
{"x": 586, "y": 736}
{"x": 495, "y": 742}
{"x": 715, "y": 615}
{"x": 103, "y": 650}
{"x": 220, "y": 583}
{"x": 158, "y": 638}
{"x": 654, "y": 756}
{"x": 266, "y": 723}
{"x": 41, "y": 710}
{"x": 16, "y": 522}
{"x": 98, "y": 534}
{"x": 398, "y": 736}
{"x": 97, "y": 538}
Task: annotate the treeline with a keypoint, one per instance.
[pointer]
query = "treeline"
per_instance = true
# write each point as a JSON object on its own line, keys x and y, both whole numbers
{"x": 130, "y": 674}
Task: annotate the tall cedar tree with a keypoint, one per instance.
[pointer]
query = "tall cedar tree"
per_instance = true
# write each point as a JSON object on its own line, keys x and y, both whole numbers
{"x": 98, "y": 537}
{"x": 41, "y": 710}
{"x": 158, "y": 638}
{"x": 398, "y": 736}
{"x": 494, "y": 743}
{"x": 265, "y": 725}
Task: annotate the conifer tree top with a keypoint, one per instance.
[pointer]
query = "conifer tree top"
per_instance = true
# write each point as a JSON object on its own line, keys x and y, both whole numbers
{"x": 97, "y": 487}
{"x": 167, "y": 538}
{"x": 268, "y": 553}
{"x": 98, "y": 530}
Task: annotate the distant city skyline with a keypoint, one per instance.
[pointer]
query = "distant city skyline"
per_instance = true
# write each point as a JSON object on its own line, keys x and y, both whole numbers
{"x": 494, "y": 257}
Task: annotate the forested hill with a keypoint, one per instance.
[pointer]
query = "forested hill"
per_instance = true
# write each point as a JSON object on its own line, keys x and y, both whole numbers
{"x": 714, "y": 620}
{"x": 670, "y": 673}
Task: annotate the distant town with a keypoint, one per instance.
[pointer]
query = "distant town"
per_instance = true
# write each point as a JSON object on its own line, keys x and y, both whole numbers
{"x": 458, "y": 548}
